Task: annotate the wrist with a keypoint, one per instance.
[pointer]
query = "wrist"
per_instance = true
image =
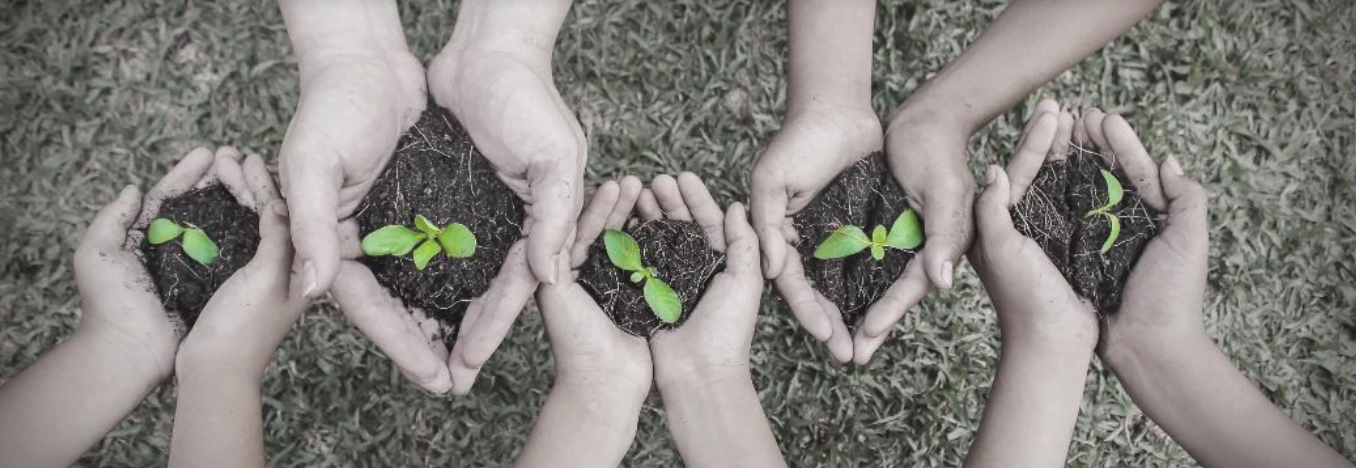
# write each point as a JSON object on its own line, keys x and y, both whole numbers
{"x": 148, "y": 358}
{"x": 527, "y": 30}
{"x": 345, "y": 28}
{"x": 197, "y": 359}
{"x": 936, "y": 118}
{"x": 686, "y": 378}
{"x": 1144, "y": 354}
{"x": 610, "y": 397}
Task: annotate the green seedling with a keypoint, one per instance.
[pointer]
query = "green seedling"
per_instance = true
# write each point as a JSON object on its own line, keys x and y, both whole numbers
{"x": 195, "y": 243}
{"x": 905, "y": 234}
{"x": 456, "y": 240}
{"x": 1113, "y": 197}
{"x": 624, "y": 252}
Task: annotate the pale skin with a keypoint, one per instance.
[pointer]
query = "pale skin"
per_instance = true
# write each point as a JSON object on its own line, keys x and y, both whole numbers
{"x": 701, "y": 369}
{"x": 126, "y": 343}
{"x": 361, "y": 88}
{"x": 830, "y": 124}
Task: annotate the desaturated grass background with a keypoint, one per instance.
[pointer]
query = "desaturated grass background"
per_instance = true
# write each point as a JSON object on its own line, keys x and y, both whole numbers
{"x": 1255, "y": 97}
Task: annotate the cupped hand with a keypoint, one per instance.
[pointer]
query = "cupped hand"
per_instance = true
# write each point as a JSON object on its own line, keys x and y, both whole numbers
{"x": 1035, "y": 304}
{"x": 713, "y": 344}
{"x": 246, "y": 319}
{"x": 1165, "y": 292}
{"x": 812, "y": 147}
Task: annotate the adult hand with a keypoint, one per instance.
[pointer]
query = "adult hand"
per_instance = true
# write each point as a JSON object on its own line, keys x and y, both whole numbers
{"x": 810, "y": 150}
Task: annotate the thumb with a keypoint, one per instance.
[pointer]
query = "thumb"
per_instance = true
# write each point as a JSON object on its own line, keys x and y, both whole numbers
{"x": 946, "y": 223}
{"x": 312, "y": 199}
{"x": 991, "y": 209}
{"x": 274, "y": 254}
{"x": 109, "y": 228}
{"x": 1187, "y": 223}
{"x": 741, "y": 244}
{"x": 767, "y": 205}
{"x": 553, "y": 183}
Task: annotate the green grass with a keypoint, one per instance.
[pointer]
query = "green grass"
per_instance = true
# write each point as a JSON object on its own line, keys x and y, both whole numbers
{"x": 1256, "y": 99}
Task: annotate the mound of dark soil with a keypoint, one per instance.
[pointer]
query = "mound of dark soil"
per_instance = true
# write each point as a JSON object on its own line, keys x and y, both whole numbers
{"x": 185, "y": 285}
{"x": 437, "y": 172}
{"x": 678, "y": 250}
{"x": 864, "y": 195}
{"x": 1053, "y": 213}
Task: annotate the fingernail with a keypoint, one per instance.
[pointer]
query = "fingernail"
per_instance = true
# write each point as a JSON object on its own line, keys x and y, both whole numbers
{"x": 990, "y": 175}
{"x": 309, "y": 279}
{"x": 555, "y": 270}
{"x": 947, "y": 272}
{"x": 279, "y": 208}
{"x": 1174, "y": 166}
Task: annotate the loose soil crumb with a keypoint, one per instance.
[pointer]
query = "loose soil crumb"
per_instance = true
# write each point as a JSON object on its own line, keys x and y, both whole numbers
{"x": 184, "y": 285}
{"x": 864, "y": 195}
{"x": 437, "y": 172}
{"x": 681, "y": 253}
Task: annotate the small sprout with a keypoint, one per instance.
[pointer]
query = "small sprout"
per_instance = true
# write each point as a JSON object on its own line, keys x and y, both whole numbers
{"x": 195, "y": 242}
{"x": 905, "y": 234}
{"x": 624, "y": 252}
{"x": 456, "y": 240}
{"x": 1114, "y": 193}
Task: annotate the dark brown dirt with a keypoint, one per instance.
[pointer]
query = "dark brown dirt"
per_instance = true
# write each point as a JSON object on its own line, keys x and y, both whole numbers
{"x": 864, "y": 195}
{"x": 437, "y": 172}
{"x": 681, "y": 253}
{"x": 184, "y": 285}
{"x": 1053, "y": 214}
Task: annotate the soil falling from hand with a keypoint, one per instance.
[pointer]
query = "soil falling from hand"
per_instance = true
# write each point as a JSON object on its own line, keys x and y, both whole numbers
{"x": 437, "y": 172}
{"x": 681, "y": 254}
{"x": 184, "y": 285}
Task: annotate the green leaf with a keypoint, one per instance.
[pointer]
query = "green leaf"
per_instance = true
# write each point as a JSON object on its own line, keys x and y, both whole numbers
{"x": 877, "y": 252}
{"x": 391, "y": 240}
{"x": 199, "y": 247}
{"x": 637, "y": 277}
{"x": 907, "y": 232}
{"x": 457, "y": 241}
{"x": 423, "y": 224}
{"x": 878, "y": 235}
{"x": 662, "y": 300}
{"x": 163, "y": 230}
{"x": 847, "y": 240}
{"x": 1115, "y": 231}
{"x": 623, "y": 250}
{"x": 1113, "y": 189}
{"x": 425, "y": 252}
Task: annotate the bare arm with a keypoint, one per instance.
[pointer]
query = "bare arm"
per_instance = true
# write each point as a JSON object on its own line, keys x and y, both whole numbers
{"x": 584, "y": 424}
{"x": 1032, "y": 406}
{"x": 720, "y": 423}
{"x": 830, "y": 47}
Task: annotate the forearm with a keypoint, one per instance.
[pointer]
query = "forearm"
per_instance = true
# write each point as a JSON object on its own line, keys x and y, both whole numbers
{"x": 1033, "y": 405}
{"x": 323, "y": 28}
{"x": 830, "y": 57}
{"x": 218, "y": 418}
{"x": 720, "y": 423}
{"x": 510, "y": 25}
{"x": 57, "y": 408}
{"x": 1195, "y": 393}
{"x": 1030, "y": 43}
{"x": 583, "y": 425}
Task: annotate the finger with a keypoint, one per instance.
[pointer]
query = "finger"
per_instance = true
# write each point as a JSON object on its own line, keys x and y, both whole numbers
{"x": 767, "y": 204}
{"x": 840, "y": 344}
{"x": 801, "y": 298}
{"x": 554, "y": 182}
{"x": 1092, "y": 123}
{"x": 350, "y": 240}
{"x": 497, "y": 309}
{"x": 385, "y": 322}
{"x": 991, "y": 209}
{"x": 648, "y": 207}
{"x": 312, "y": 199}
{"x": 1045, "y": 106}
{"x": 704, "y": 209}
{"x": 1027, "y": 159}
{"x": 946, "y": 225}
{"x": 275, "y": 244}
{"x": 670, "y": 198}
{"x": 742, "y": 257}
{"x": 593, "y": 220}
{"x": 178, "y": 181}
{"x": 631, "y": 189}
{"x": 1059, "y": 151}
{"x": 227, "y": 170}
{"x": 1188, "y": 221}
{"x": 260, "y": 182}
{"x": 903, "y": 295}
{"x": 1129, "y": 152}
{"x": 108, "y": 230}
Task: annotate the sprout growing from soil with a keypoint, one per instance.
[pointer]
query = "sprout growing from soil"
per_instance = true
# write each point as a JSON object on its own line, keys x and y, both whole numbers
{"x": 624, "y": 252}
{"x": 1113, "y": 196}
{"x": 397, "y": 240}
{"x": 195, "y": 243}
{"x": 905, "y": 234}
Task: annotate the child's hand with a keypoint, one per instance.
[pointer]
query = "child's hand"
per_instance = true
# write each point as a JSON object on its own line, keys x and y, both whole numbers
{"x": 1035, "y": 304}
{"x": 248, "y": 316}
{"x": 812, "y": 147}
{"x": 1164, "y": 293}
{"x": 713, "y": 345}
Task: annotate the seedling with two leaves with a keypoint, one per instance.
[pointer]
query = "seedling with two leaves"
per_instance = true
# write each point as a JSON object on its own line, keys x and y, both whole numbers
{"x": 396, "y": 240}
{"x": 1114, "y": 192}
{"x": 624, "y": 252}
{"x": 195, "y": 242}
{"x": 905, "y": 234}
